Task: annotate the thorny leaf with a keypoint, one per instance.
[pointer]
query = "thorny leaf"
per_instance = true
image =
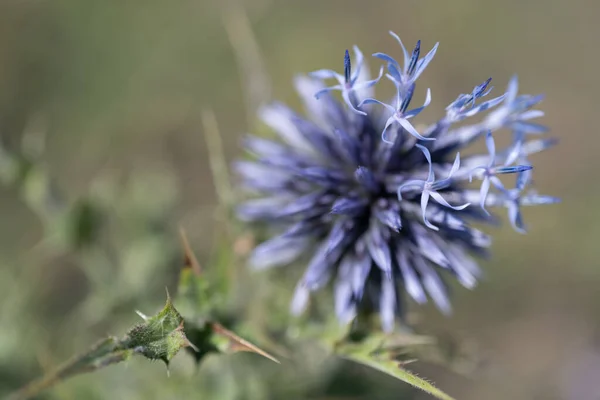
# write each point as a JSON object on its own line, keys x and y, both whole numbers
{"x": 381, "y": 353}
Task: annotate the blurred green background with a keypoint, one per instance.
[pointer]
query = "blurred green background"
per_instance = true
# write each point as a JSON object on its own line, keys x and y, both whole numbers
{"x": 116, "y": 90}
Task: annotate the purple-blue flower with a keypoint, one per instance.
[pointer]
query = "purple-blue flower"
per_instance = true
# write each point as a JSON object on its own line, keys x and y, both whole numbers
{"x": 357, "y": 210}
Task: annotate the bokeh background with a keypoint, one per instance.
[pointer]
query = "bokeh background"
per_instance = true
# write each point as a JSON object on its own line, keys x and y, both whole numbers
{"x": 111, "y": 102}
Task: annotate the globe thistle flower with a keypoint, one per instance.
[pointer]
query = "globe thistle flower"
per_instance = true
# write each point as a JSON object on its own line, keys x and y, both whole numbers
{"x": 351, "y": 185}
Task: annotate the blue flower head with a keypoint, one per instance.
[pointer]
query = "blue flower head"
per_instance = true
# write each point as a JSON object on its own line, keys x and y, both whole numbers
{"x": 362, "y": 207}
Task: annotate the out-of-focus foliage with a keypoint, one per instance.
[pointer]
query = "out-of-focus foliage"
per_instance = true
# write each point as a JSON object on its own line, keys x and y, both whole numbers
{"x": 116, "y": 90}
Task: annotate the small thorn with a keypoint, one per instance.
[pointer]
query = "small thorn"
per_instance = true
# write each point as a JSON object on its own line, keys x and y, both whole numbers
{"x": 142, "y": 315}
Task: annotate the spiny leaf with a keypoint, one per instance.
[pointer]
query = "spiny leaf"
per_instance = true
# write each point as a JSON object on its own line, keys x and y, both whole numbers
{"x": 395, "y": 369}
{"x": 381, "y": 352}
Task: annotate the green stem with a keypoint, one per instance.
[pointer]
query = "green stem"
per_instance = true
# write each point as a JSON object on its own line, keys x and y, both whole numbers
{"x": 104, "y": 353}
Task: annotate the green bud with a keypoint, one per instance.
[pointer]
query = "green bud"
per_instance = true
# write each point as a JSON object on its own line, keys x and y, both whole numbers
{"x": 161, "y": 336}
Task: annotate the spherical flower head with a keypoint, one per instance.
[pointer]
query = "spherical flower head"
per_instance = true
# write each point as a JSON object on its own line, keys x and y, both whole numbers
{"x": 352, "y": 185}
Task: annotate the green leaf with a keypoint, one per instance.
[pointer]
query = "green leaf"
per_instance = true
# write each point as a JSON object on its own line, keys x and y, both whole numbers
{"x": 395, "y": 369}
{"x": 381, "y": 352}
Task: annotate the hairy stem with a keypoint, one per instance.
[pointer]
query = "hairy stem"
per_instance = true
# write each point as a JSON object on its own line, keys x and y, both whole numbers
{"x": 104, "y": 353}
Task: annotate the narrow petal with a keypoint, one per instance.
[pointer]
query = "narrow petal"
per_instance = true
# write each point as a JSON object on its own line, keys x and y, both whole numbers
{"x": 358, "y": 62}
{"x": 529, "y": 127}
{"x": 326, "y": 74}
{"x": 366, "y": 178}
{"x": 424, "y": 202}
{"x": 471, "y": 173}
{"x": 434, "y": 285}
{"x": 537, "y": 199}
{"x": 389, "y": 122}
{"x": 326, "y": 110}
{"x": 375, "y": 101}
{"x": 281, "y": 119}
{"x": 536, "y": 146}
{"x": 416, "y": 183}
{"x": 491, "y": 146}
{"x": 438, "y": 197}
{"x": 370, "y": 83}
{"x": 424, "y": 62}
{"x": 277, "y": 252}
{"x": 386, "y": 58}
{"x": 379, "y": 249}
{"x": 425, "y": 151}
{"x": 416, "y": 111}
{"x": 262, "y": 208}
{"x": 348, "y": 100}
{"x": 361, "y": 269}
{"x": 531, "y": 114}
{"x": 327, "y": 90}
{"x": 349, "y": 205}
{"x": 455, "y": 166}
{"x": 390, "y": 218}
{"x": 412, "y": 283}
{"x": 429, "y": 247}
{"x": 512, "y": 89}
{"x": 483, "y": 192}
{"x": 300, "y": 300}
{"x": 409, "y": 128}
{"x": 301, "y": 204}
{"x": 387, "y": 304}
{"x": 515, "y": 217}
{"x": 484, "y": 106}
{"x": 404, "y": 52}
{"x": 349, "y": 144}
{"x": 523, "y": 179}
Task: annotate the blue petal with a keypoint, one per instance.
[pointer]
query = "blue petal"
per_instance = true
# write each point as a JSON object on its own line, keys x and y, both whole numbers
{"x": 263, "y": 208}
{"x": 433, "y": 284}
{"x": 537, "y": 199}
{"x": 484, "y": 106}
{"x": 312, "y": 227}
{"x": 361, "y": 269}
{"x": 349, "y": 205}
{"x": 379, "y": 249}
{"x": 429, "y": 247}
{"x": 515, "y": 217}
{"x": 366, "y": 178}
{"x": 423, "y": 63}
{"x": 404, "y": 52}
{"x": 387, "y": 304}
{"x": 350, "y": 145}
{"x": 529, "y": 127}
{"x": 326, "y": 74}
{"x": 412, "y": 283}
{"x": 278, "y": 251}
{"x": 387, "y": 59}
{"x": 389, "y": 218}
{"x": 535, "y": 146}
{"x": 308, "y": 204}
